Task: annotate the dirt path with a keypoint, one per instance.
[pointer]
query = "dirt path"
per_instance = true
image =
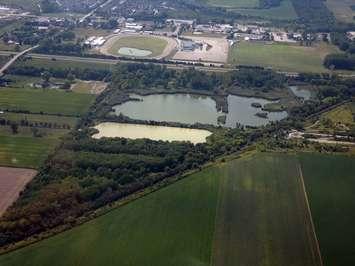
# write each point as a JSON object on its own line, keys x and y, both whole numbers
{"x": 313, "y": 236}
{"x": 12, "y": 182}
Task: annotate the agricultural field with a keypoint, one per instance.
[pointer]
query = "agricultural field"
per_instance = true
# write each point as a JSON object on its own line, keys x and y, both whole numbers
{"x": 46, "y": 101}
{"x": 33, "y": 118}
{"x": 205, "y": 219}
{"x": 342, "y": 9}
{"x": 138, "y": 46}
{"x": 234, "y": 3}
{"x": 12, "y": 182}
{"x": 262, "y": 217}
{"x": 341, "y": 118}
{"x": 283, "y": 57}
{"x": 330, "y": 183}
{"x": 285, "y": 11}
{"x": 25, "y": 150}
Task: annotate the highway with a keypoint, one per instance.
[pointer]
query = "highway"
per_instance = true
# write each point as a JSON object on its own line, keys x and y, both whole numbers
{"x": 90, "y": 60}
{"x": 12, "y": 60}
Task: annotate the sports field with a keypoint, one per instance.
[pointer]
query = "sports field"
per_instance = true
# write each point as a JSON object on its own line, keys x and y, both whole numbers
{"x": 47, "y": 101}
{"x": 282, "y": 57}
{"x": 285, "y": 11}
{"x": 234, "y": 3}
{"x": 153, "y": 46}
{"x": 330, "y": 182}
{"x": 246, "y": 212}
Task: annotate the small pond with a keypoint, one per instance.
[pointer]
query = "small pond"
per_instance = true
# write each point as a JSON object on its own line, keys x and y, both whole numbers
{"x": 137, "y": 131}
{"x": 134, "y": 52}
{"x": 190, "y": 109}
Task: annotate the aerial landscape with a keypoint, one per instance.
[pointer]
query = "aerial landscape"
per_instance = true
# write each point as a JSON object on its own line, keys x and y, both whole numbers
{"x": 177, "y": 133}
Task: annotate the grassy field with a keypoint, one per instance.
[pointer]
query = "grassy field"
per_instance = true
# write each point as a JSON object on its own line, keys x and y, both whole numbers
{"x": 330, "y": 182}
{"x": 342, "y": 9}
{"x": 47, "y": 101}
{"x": 342, "y": 114}
{"x": 234, "y": 3}
{"x": 283, "y": 12}
{"x": 260, "y": 221}
{"x": 155, "y": 45}
{"x": 39, "y": 118}
{"x": 24, "y": 151}
{"x": 281, "y": 56}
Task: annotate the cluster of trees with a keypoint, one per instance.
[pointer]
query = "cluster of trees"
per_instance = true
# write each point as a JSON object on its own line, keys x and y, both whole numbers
{"x": 49, "y": 6}
{"x": 314, "y": 14}
{"x": 150, "y": 76}
{"x": 340, "y": 61}
{"x": 345, "y": 60}
{"x": 331, "y": 90}
{"x": 81, "y": 73}
{"x": 269, "y": 3}
{"x": 26, "y": 123}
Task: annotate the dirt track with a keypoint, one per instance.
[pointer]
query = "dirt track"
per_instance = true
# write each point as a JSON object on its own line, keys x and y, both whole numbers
{"x": 169, "y": 49}
{"x": 12, "y": 182}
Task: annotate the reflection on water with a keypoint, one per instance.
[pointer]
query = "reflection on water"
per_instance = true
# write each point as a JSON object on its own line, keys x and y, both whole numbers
{"x": 137, "y": 131}
{"x": 190, "y": 109}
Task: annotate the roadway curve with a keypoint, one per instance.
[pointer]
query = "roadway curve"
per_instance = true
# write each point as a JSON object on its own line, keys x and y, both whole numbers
{"x": 12, "y": 60}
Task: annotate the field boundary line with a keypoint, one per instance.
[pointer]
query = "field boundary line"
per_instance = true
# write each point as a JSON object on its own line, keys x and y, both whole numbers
{"x": 310, "y": 215}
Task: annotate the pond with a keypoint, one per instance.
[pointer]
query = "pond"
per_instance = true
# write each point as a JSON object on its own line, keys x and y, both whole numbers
{"x": 301, "y": 92}
{"x": 190, "y": 109}
{"x": 137, "y": 131}
{"x": 133, "y": 52}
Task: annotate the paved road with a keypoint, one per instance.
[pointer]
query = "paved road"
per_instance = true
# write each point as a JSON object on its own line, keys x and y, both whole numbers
{"x": 12, "y": 60}
{"x": 94, "y": 10}
{"x": 90, "y": 60}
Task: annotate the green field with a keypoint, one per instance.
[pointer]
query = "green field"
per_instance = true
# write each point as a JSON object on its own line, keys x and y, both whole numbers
{"x": 283, "y": 12}
{"x": 342, "y": 9}
{"x": 39, "y": 118}
{"x": 234, "y": 3}
{"x": 47, "y": 101}
{"x": 260, "y": 221}
{"x": 152, "y": 44}
{"x": 330, "y": 182}
{"x": 281, "y": 56}
{"x": 24, "y": 151}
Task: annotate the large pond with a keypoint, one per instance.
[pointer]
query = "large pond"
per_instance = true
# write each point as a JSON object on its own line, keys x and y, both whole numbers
{"x": 137, "y": 131}
{"x": 133, "y": 52}
{"x": 301, "y": 92}
{"x": 190, "y": 109}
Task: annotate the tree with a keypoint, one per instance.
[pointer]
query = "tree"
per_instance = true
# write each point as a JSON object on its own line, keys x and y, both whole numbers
{"x": 14, "y": 128}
